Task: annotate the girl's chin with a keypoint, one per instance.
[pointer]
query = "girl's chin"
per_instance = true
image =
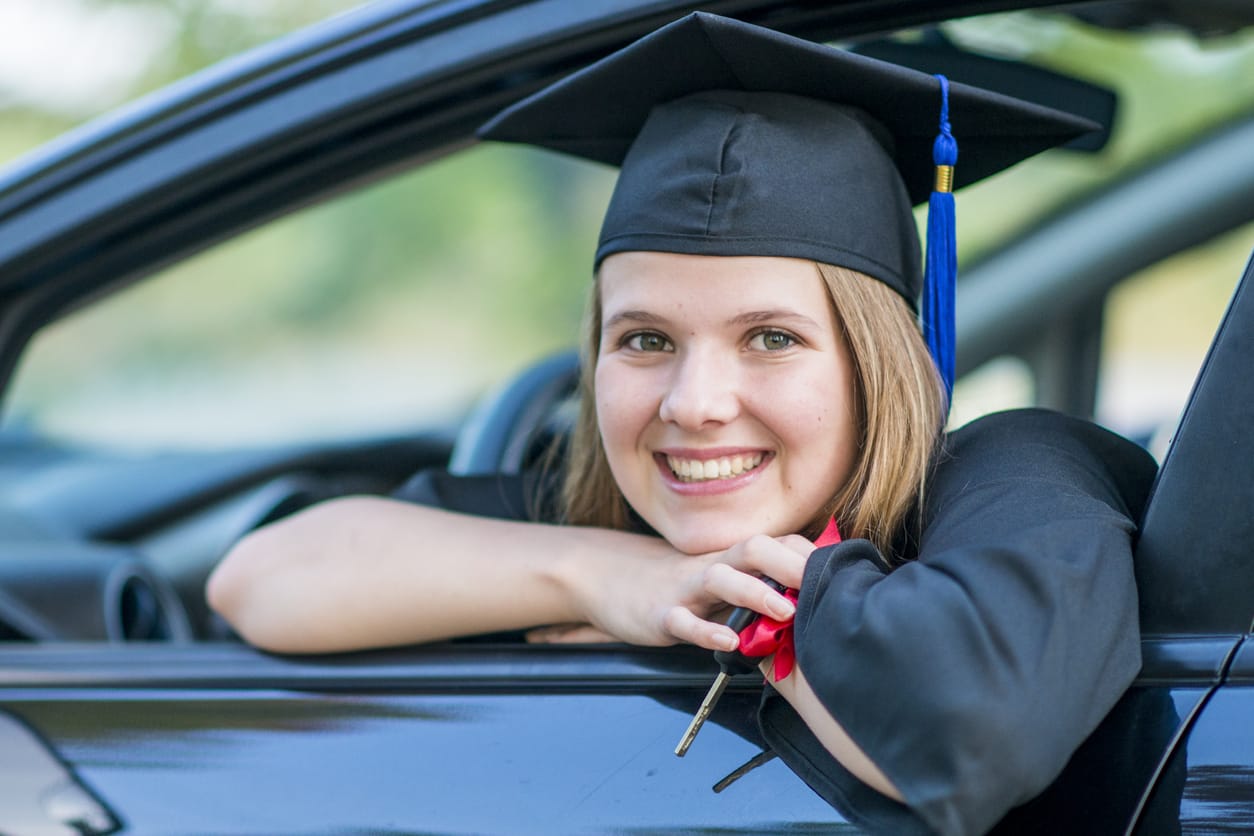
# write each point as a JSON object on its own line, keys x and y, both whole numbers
{"x": 705, "y": 538}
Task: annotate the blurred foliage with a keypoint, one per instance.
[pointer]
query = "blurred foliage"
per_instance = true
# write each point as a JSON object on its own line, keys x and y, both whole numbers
{"x": 204, "y": 32}
{"x": 181, "y": 37}
{"x": 418, "y": 286}
{"x": 1171, "y": 88}
{"x": 392, "y": 306}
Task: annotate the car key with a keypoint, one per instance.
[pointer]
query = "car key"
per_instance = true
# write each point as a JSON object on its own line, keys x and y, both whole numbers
{"x": 730, "y": 663}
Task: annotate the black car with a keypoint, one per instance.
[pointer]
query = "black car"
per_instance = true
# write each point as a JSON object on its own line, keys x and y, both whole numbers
{"x": 126, "y": 706}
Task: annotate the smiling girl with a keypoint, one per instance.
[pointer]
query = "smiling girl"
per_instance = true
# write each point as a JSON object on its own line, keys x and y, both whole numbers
{"x": 726, "y": 395}
{"x": 755, "y": 375}
{"x": 755, "y": 358}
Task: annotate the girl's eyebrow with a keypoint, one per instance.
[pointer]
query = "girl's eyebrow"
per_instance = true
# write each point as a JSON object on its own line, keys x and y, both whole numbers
{"x": 639, "y": 317}
{"x": 773, "y": 315}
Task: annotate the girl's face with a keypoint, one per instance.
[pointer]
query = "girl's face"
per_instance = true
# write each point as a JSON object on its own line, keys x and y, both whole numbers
{"x": 724, "y": 394}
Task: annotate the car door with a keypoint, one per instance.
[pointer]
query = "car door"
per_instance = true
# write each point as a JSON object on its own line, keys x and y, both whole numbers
{"x": 1207, "y": 786}
{"x": 447, "y": 739}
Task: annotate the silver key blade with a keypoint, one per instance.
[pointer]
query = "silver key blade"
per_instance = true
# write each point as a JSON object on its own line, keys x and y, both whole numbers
{"x": 707, "y": 705}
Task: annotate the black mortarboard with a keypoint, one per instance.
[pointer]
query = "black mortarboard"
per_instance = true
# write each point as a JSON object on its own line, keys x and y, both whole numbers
{"x": 738, "y": 140}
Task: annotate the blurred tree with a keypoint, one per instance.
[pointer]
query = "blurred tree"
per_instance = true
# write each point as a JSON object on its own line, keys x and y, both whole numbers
{"x": 206, "y": 31}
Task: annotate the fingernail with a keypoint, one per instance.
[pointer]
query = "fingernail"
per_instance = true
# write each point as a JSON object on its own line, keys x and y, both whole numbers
{"x": 727, "y": 642}
{"x": 782, "y": 608}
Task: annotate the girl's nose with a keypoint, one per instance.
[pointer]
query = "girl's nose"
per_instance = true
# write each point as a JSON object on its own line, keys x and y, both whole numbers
{"x": 702, "y": 391}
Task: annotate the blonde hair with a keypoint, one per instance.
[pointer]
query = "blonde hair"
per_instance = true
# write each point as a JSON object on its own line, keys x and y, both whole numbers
{"x": 900, "y": 409}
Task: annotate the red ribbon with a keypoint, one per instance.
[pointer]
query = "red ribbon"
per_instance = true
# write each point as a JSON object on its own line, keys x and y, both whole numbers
{"x": 765, "y": 636}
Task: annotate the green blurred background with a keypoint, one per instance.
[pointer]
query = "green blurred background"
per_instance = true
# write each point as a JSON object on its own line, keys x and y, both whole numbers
{"x": 394, "y": 306}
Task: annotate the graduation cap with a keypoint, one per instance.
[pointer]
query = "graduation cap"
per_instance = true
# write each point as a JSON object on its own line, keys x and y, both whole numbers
{"x": 739, "y": 140}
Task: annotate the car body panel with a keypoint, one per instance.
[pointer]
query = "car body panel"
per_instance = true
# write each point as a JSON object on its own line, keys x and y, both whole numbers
{"x": 178, "y": 744}
{"x": 1206, "y": 785}
{"x": 159, "y": 732}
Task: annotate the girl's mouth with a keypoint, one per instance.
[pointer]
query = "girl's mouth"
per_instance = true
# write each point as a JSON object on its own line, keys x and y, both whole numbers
{"x": 705, "y": 470}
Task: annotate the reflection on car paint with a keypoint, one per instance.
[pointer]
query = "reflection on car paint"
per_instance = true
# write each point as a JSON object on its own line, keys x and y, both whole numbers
{"x": 40, "y": 795}
{"x": 423, "y": 762}
{"x": 1218, "y": 765}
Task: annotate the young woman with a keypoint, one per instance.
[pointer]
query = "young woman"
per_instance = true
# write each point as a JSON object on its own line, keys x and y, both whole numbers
{"x": 755, "y": 376}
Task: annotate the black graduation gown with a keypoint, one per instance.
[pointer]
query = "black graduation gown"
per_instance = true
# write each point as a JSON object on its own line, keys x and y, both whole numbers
{"x": 970, "y": 674}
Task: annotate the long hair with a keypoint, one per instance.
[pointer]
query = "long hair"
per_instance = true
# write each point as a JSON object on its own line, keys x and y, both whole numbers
{"x": 899, "y": 407}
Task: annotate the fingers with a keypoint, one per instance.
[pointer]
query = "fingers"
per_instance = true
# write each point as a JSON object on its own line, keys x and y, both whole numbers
{"x": 797, "y": 543}
{"x": 783, "y": 558}
{"x": 721, "y": 582}
{"x": 684, "y": 597}
{"x": 741, "y": 590}
{"x": 686, "y": 626}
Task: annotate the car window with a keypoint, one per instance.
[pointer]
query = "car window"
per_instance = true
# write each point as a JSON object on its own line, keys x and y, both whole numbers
{"x": 1158, "y": 326}
{"x": 1005, "y": 382}
{"x": 382, "y": 311}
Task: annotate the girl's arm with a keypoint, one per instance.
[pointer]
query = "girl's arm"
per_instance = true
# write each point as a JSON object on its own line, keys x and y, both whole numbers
{"x": 797, "y": 691}
{"x": 367, "y": 572}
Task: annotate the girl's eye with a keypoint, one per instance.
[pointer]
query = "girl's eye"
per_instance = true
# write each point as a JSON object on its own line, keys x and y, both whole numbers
{"x": 773, "y": 340}
{"x": 647, "y": 341}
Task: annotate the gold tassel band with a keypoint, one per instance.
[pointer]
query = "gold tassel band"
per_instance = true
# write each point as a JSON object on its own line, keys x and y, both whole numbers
{"x": 944, "y": 178}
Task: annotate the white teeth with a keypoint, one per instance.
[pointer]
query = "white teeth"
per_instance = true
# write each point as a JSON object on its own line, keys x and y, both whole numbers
{"x": 700, "y": 470}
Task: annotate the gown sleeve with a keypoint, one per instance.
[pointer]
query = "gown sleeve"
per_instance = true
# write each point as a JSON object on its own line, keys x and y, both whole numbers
{"x": 970, "y": 675}
{"x": 529, "y": 497}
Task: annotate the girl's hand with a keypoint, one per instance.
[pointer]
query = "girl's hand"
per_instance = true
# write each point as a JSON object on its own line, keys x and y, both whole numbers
{"x": 662, "y": 596}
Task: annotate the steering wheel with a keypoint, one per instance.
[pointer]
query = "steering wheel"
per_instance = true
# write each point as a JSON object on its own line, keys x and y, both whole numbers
{"x": 506, "y": 424}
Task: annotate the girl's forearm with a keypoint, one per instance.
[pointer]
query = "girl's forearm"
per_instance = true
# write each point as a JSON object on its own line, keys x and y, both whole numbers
{"x": 367, "y": 572}
{"x": 830, "y": 733}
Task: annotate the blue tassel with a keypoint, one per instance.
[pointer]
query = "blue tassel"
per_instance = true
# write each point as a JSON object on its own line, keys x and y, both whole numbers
{"x": 941, "y": 270}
